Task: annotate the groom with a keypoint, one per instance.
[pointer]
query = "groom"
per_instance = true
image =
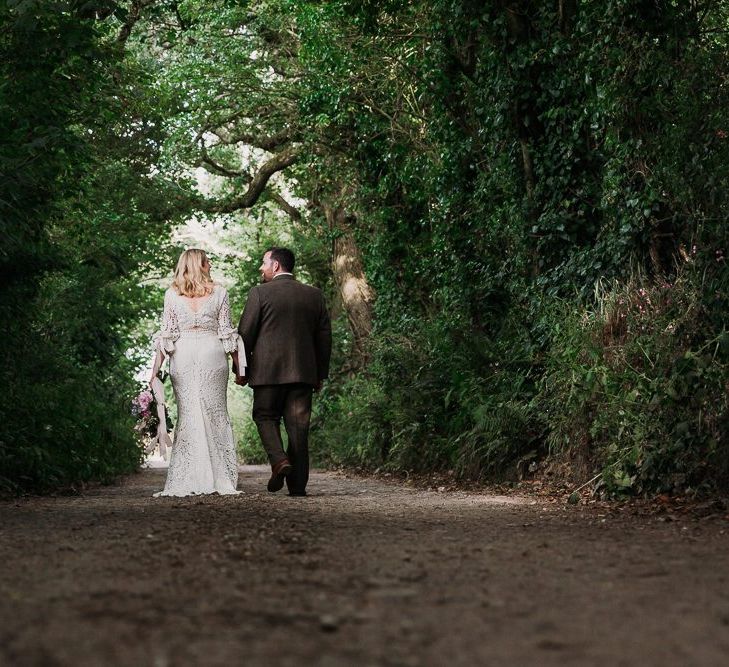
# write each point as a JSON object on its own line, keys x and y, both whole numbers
{"x": 288, "y": 341}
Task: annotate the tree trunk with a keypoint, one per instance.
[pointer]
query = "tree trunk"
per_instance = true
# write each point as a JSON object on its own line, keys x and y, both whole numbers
{"x": 567, "y": 10}
{"x": 525, "y": 116}
{"x": 355, "y": 292}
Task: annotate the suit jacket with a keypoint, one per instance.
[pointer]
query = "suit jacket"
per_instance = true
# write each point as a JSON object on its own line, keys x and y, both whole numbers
{"x": 287, "y": 334}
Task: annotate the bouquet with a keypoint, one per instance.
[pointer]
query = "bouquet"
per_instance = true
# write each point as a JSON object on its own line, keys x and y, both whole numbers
{"x": 147, "y": 412}
{"x": 144, "y": 408}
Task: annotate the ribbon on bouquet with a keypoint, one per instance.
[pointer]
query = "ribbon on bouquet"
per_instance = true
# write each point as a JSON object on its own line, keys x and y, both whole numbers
{"x": 163, "y": 437}
{"x": 240, "y": 347}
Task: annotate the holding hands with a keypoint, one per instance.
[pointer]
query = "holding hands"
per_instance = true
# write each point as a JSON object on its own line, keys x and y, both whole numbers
{"x": 241, "y": 380}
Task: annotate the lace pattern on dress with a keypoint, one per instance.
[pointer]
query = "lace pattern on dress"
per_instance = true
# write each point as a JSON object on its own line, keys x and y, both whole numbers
{"x": 203, "y": 457}
{"x": 229, "y": 336}
{"x": 169, "y": 331}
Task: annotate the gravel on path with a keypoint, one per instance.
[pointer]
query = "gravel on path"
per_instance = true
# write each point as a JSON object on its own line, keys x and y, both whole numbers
{"x": 360, "y": 572}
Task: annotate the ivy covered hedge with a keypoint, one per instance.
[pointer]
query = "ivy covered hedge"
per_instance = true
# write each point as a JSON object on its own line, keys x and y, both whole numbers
{"x": 80, "y": 218}
{"x": 545, "y": 196}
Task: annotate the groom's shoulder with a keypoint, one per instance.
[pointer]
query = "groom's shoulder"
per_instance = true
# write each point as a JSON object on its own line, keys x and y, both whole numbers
{"x": 289, "y": 289}
{"x": 302, "y": 288}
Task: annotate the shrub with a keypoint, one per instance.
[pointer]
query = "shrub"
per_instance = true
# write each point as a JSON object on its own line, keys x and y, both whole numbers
{"x": 637, "y": 386}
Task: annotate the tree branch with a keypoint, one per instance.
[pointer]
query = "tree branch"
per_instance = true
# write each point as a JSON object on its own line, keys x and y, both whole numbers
{"x": 292, "y": 211}
{"x": 135, "y": 12}
{"x": 266, "y": 143}
{"x": 176, "y": 7}
{"x": 217, "y": 168}
{"x": 257, "y": 185}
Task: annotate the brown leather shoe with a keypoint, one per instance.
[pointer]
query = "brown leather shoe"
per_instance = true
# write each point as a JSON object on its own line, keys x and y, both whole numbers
{"x": 278, "y": 475}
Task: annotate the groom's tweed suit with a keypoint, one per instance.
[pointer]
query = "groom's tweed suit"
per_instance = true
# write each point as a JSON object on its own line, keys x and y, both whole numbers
{"x": 288, "y": 341}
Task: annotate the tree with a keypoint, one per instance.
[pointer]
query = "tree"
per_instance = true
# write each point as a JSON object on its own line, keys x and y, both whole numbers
{"x": 245, "y": 110}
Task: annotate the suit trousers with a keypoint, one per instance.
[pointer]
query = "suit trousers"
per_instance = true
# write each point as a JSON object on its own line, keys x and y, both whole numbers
{"x": 292, "y": 402}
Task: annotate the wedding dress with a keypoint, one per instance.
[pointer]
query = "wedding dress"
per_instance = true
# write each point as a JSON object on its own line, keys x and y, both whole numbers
{"x": 203, "y": 457}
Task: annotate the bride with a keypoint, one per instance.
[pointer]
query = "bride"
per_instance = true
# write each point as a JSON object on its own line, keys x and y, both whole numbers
{"x": 196, "y": 334}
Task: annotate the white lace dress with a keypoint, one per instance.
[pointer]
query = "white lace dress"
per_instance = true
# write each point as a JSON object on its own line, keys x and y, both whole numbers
{"x": 203, "y": 457}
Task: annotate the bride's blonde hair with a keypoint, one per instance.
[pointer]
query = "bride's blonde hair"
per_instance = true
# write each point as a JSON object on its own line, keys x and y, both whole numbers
{"x": 192, "y": 275}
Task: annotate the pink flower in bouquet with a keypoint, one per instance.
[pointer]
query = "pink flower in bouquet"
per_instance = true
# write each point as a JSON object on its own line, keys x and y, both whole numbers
{"x": 144, "y": 409}
{"x": 145, "y": 398}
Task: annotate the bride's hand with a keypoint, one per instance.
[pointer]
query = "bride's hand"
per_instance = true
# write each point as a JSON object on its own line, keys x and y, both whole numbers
{"x": 241, "y": 380}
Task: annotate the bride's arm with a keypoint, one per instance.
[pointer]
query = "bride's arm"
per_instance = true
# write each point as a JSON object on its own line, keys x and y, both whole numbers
{"x": 159, "y": 357}
{"x": 165, "y": 338}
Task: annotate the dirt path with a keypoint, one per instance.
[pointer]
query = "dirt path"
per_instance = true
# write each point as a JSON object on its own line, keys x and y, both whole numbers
{"x": 362, "y": 572}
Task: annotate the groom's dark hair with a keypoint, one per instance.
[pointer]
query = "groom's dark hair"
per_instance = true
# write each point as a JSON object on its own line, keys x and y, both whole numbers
{"x": 284, "y": 257}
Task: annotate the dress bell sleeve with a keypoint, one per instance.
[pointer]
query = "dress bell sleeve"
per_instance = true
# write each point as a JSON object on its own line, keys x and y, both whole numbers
{"x": 229, "y": 336}
{"x": 168, "y": 333}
